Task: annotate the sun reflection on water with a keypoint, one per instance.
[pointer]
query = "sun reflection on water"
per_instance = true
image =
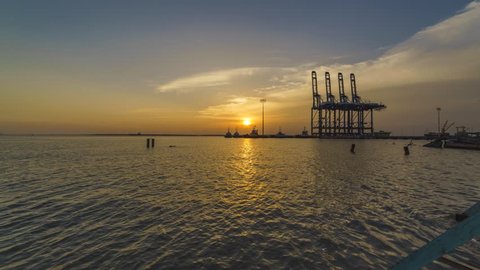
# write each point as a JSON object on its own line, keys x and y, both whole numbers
{"x": 246, "y": 184}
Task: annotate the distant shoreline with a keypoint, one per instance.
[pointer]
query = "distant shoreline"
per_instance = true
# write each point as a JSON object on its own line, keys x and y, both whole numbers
{"x": 115, "y": 135}
{"x": 214, "y": 135}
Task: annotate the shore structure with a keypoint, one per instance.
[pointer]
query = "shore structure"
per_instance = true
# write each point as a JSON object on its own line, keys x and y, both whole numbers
{"x": 335, "y": 118}
{"x": 461, "y": 140}
{"x": 342, "y": 117}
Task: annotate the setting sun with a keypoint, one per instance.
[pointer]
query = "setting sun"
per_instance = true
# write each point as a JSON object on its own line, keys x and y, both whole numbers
{"x": 247, "y": 122}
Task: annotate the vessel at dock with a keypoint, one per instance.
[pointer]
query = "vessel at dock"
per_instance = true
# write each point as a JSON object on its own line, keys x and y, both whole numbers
{"x": 228, "y": 134}
{"x": 280, "y": 134}
{"x": 461, "y": 140}
{"x": 253, "y": 133}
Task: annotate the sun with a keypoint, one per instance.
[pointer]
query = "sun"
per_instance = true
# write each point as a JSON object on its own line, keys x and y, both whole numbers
{"x": 247, "y": 122}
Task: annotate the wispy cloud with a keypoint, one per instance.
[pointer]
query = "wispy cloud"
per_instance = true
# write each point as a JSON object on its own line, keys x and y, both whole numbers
{"x": 232, "y": 109}
{"x": 207, "y": 79}
{"x": 221, "y": 78}
{"x": 443, "y": 52}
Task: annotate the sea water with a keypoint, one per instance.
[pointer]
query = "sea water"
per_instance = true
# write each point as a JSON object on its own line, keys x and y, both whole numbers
{"x": 209, "y": 202}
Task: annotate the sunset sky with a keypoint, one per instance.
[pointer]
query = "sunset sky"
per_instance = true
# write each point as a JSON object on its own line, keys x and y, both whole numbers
{"x": 202, "y": 66}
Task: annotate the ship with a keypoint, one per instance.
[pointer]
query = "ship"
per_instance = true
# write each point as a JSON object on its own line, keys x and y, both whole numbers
{"x": 228, "y": 134}
{"x": 461, "y": 140}
{"x": 253, "y": 133}
{"x": 280, "y": 134}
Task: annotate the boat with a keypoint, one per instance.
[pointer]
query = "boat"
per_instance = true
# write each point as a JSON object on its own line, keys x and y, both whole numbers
{"x": 228, "y": 134}
{"x": 280, "y": 134}
{"x": 253, "y": 133}
{"x": 304, "y": 132}
{"x": 461, "y": 140}
{"x": 382, "y": 134}
{"x": 236, "y": 134}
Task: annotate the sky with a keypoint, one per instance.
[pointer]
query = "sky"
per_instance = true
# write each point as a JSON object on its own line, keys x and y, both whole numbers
{"x": 200, "y": 67}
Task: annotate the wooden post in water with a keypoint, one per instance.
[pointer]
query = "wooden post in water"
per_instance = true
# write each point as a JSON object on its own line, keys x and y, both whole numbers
{"x": 352, "y": 148}
{"x": 148, "y": 142}
{"x": 405, "y": 149}
{"x": 153, "y": 142}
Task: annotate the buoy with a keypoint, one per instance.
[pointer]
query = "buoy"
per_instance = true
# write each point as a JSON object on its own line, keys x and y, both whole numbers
{"x": 352, "y": 148}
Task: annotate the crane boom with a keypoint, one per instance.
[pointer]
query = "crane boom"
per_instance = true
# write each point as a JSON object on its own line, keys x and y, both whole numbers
{"x": 328, "y": 88}
{"x": 316, "y": 95}
{"x": 341, "y": 90}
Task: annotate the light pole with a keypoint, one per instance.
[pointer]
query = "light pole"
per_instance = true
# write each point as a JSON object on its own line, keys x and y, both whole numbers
{"x": 438, "y": 111}
{"x": 263, "y": 100}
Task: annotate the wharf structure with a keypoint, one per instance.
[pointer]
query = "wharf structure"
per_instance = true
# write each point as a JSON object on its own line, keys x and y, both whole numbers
{"x": 342, "y": 117}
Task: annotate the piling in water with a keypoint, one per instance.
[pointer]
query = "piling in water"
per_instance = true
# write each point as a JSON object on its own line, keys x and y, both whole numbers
{"x": 406, "y": 150}
{"x": 352, "y": 148}
{"x": 150, "y": 142}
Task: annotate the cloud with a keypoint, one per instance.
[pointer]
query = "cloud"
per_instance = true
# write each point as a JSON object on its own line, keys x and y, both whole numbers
{"x": 232, "y": 109}
{"x": 207, "y": 79}
{"x": 445, "y": 52}
{"x": 224, "y": 77}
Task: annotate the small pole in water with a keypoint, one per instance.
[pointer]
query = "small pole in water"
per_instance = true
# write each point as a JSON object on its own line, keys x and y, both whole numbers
{"x": 406, "y": 149}
{"x": 352, "y": 148}
{"x": 148, "y": 142}
{"x": 153, "y": 142}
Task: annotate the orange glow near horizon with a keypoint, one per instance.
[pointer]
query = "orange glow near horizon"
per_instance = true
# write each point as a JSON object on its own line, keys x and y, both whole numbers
{"x": 247, "y": 122}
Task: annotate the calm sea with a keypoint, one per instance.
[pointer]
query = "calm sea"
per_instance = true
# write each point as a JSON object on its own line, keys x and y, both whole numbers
{"x": 211, "y": 202}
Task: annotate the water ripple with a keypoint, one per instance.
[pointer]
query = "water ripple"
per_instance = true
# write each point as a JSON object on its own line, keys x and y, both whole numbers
{"x": 100, "y": 202}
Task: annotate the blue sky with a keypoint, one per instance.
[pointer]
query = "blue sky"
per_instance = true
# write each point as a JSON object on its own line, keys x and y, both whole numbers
{"x": 282, "y": 32}
{"x": 103, "y": 66}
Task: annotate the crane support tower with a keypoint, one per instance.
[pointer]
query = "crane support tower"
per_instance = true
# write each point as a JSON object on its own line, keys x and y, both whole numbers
{"x": 342, "y": 117}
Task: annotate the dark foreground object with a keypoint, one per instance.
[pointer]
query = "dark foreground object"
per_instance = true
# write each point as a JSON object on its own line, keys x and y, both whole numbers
{"x": 467, "y": 228}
